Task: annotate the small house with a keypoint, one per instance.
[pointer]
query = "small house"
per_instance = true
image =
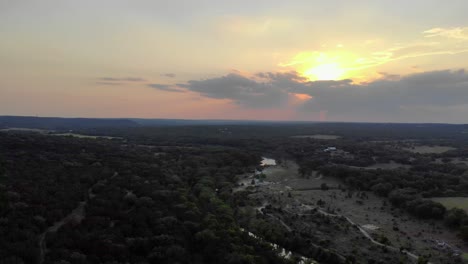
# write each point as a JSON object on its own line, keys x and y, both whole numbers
{"x": 329, "y": 149}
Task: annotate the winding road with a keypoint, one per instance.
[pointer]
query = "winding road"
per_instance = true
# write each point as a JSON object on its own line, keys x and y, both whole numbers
{"x": 78, "y": 214}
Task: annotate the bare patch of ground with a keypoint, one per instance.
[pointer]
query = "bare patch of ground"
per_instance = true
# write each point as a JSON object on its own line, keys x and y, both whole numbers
{"x": 268, "y": 162}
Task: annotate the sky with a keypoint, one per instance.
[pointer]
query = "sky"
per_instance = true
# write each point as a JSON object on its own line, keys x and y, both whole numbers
{"x": 334, "y": 60}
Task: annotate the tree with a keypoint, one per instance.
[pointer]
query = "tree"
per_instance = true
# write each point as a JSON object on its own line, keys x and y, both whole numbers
{"x": 399, "y": 197}
{"x": 382, "y": 189}
{"x": 324, "y": 187}
{"x": 455, "y": 217}
{"x": 464, "y": 232}
{"x": 423, "y": 260}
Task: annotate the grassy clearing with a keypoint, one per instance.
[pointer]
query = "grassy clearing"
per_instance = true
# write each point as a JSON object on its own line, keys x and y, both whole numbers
{"x": 453, "y": 202}
{"x": 82, "y": 136}
{"x": 25, "y": 129}
{"x": 384, "y": 166}
{"x": 429, "y": 149}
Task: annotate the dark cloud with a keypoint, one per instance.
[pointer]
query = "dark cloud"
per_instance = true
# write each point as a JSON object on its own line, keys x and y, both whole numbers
{"x": 391, "y": 98}
{"x": 242, "y": 90}
{"x": 169, "y": 75}
{"x": 165, "y": 87}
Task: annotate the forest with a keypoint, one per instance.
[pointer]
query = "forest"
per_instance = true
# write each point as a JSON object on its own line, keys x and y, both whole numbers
{"x": 165, "y": 194}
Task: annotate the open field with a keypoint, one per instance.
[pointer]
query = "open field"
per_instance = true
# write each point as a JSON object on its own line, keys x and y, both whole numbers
{"x": 388, "y": 166}
{"x": 82, "y": 136}
{"x": 453, "y": 161}
{"x": 429, "y": 149}
{"x": 53, "y": 133}
{"x": 453, "y": 202}
{"x": 284, "y": 188}
{"x": 384, "y": 166}
{"x": 325, "y": 137}
{"x": 25, "y": 130}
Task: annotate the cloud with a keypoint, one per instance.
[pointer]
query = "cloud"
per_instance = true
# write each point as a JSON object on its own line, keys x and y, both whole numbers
{"x": 165, "y": 87}
{"x": 460, "y": 33}
{"x": 422, "y": 48}
{"x": 108, "y": 83}
{"x": 112, "y": 81}
{"x": 241, "y": 90}
{"x": 393, "y": 97}
{"x": 121, "y": 80}
{"x": 389, "y": 76}
{"x": 169, "y": 75}
{"x": 254, "y": 26}
{"x": 356, "y": 61}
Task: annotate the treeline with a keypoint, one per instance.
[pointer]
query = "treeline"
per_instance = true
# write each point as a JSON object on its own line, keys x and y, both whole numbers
{"x": 355, "y": 131}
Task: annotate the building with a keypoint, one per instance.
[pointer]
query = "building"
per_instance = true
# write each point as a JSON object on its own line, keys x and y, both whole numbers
{"x": 329, "y": 149}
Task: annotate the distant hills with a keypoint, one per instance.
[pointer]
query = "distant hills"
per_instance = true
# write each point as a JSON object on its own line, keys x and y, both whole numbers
{"x": 59, "y": 123}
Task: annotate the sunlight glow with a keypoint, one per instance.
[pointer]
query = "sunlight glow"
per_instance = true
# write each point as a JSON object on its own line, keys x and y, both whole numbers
{"x": 330, "y": 71}
{"x": 331, "y": 65}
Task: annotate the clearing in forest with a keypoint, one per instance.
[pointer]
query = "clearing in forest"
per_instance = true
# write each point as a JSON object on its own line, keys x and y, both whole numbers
{"x": 429, "y": 149}
{"x": 453, "y": 202}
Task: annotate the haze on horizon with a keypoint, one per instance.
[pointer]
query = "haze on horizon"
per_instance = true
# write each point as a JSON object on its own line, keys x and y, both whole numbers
{"x": 335, "y": 60}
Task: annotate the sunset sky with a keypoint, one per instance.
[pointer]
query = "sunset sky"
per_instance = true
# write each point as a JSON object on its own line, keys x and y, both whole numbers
{"x": 334, "y": 60}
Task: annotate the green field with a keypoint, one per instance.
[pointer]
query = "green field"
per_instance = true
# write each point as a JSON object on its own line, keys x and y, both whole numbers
{"x": 83, "y": 136}
{"x": 452, "y": 202}
{"x": 465, "y": 256}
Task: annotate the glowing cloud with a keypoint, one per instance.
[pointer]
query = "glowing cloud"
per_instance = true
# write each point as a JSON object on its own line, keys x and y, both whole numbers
{"x": 330, "y": 71}
{"x": 302, "y": 96}
{"x": 362, "y": 63}
{"x": 322, "y": 66}
{"x": 460, "y": 33}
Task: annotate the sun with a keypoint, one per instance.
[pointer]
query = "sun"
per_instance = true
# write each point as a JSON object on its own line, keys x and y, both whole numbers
{"x": 323, "y": 66}
{"x": 325, "y": 72}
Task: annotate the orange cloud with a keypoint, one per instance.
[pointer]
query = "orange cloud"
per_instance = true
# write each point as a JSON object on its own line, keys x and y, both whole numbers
{"x": 303, "y": 97}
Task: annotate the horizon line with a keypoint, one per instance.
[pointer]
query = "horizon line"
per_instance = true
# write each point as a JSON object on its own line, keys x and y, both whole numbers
{"x": 237, "y": 120}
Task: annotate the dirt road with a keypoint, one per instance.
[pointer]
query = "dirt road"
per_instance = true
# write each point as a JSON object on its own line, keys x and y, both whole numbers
{"x": 78, "y": 214}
